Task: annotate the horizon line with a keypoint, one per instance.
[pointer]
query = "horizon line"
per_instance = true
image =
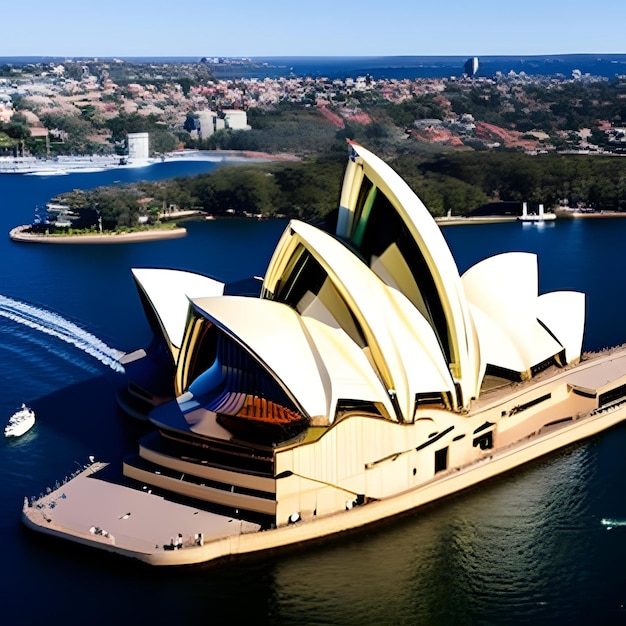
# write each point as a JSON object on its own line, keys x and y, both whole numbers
{"x": 303, "y": 56}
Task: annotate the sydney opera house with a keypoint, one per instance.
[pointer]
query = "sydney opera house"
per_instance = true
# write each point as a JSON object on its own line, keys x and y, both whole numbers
{"x": 362, "y": 377}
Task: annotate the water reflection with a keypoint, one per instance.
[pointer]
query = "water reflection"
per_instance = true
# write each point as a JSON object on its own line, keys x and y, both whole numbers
{"x": 491, "y": 552}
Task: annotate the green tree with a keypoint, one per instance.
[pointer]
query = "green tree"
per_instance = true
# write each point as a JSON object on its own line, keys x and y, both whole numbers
{"x": 185, "y": 84}
{"x": 126, "y": 123}
{"x": 162, "y": 142}
{"x": 405, "y": 113}
{"x": 16, "y": 127}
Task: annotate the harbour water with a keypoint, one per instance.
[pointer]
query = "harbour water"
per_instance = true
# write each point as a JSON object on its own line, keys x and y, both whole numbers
{"x": 389, "y": 67}
{"x": 414, "y": 67}
{"x": 526, "y": 547}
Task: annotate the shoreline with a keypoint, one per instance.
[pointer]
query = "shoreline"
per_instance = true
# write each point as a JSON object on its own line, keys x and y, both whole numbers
{"x": 577, "y": 214}
{"x": 483, "y": 219}
{"x": 18, "y": 234}
{"x": 28, "y": 166}
{"x": 63, "y": 165}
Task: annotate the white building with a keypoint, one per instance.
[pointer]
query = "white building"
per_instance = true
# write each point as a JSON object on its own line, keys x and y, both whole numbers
{"x": 207, "y": 121}
{"x": 366, "y": 377}
{"x": 236, "y": 119}
{"x": 138, "y": 146}
{"x": 212, "y": 121}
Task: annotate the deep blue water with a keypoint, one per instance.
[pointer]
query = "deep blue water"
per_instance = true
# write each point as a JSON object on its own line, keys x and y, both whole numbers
{"x": 397, "y": 67}
{"x": 526, "y": 547}
{"x": 412, "y": 67}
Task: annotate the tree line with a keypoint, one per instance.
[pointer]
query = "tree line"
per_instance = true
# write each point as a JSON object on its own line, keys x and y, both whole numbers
{"x": 310, "y": 189}
{"x": 596, "y": 181}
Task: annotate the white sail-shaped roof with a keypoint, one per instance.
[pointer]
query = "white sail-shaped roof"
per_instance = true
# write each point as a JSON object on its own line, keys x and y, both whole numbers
{"x": 168, "y": 291}
{"x": 376, "y": 314}
{"x": 503, "y": 293}
{"x": 273, "y": 333}
{"x": 563, "y": 312}
{"x": 457, "y": 332}
{"x": 345, "y": 369}
{"x": 401, "y": 343}
{"x": 315, "y": 363}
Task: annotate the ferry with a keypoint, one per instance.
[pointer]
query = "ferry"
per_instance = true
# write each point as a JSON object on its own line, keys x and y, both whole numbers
{"x": 20, "y": 422}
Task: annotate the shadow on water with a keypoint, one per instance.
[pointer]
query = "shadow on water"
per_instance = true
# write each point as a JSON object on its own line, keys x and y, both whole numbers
{"x": 87, "y": 413}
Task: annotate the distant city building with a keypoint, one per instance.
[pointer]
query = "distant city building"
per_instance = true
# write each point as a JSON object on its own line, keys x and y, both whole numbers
{"x": 471, "y": 66}
{"x": 207, "y": 123}
{"x": 236, "y": 119}
{"x": 212, "y": 121}
{"x": 428, "y": 123}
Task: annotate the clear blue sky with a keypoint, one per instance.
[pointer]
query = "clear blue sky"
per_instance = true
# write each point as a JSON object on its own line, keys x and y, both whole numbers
{"x": 312, "y": 28}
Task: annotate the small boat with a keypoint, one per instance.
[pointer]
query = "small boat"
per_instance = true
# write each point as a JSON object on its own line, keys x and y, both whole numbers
{"x": 20, "y": 422}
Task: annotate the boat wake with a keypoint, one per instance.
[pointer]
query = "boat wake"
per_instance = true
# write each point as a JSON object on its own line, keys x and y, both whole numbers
{"x": 55, "y": 325}
{"x": 613, "y": 523}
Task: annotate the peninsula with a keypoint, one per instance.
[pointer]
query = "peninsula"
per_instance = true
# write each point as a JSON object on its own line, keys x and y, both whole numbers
{"x": 23, "y": 235}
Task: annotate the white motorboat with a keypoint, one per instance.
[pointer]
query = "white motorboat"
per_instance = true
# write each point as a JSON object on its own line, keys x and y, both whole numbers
{"x": 20, "y": 422}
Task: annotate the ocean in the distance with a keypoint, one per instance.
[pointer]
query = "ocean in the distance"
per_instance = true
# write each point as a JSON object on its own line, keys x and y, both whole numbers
{"x": 413, "y": 67}
{"x": 527, "y": 547}
{"x": 391, "y": 67}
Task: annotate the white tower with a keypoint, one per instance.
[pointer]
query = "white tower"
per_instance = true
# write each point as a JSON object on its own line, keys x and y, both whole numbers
{"x": 138, "y": 146}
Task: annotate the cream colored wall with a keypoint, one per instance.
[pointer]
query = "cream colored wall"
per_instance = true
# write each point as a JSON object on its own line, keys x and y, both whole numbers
{"x": 369, "y": 456}
{"x": 201, "y": 492}
{"x": 378, "y": 458}
{"x": 227, "y": 477}
{"x": 531, "y": 421}
{"x": 308, "y": 498}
